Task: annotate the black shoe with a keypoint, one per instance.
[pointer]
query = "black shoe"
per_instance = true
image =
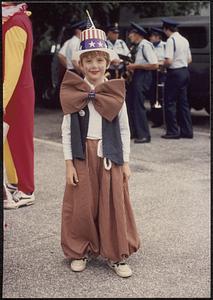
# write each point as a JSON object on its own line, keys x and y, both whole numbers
{"x": 183, "y": 136}
{"x": 171, "y": 136}
{"x": 142, "y": 141}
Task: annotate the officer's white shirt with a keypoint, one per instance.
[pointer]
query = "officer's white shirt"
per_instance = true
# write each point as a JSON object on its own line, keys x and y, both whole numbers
{"x": 182, "y": 53}
{"x": 119, "y": 47}
{"x": 160, "y": 50}
{"x": 95, "y": 129}
{"x": 67, "y": 49}
{"x": 148, "y": 52}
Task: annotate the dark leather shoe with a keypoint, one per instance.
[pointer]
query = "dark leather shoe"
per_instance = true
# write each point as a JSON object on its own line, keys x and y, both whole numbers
{"x": 142, "y": 141}
{"x": 183, "y": 136}
{"x": 170, "y": 136}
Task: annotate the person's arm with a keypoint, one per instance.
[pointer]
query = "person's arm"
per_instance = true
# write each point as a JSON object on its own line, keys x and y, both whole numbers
{"x": 126, "y": 50}
{"x": 189, "y": 56}
{"x": 71, "y": 47}
{"x": 62, "y": 60}
{"x": 62, "y": 54}
{"x": 147, "y": 67}
{"x": 168, "y": 62}
{"x": 76, "y": 66}
{"x": 151, "y": 58}
{"x": 71, "y": 174}
{"x": 15, "y": 44}
{"x": 125, "y": 139}
{"x": 115, "y": 59}
{"x": 169, "y": 54}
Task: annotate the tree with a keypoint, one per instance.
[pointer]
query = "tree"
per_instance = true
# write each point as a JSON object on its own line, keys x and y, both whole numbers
{"x": 58, "y": 14}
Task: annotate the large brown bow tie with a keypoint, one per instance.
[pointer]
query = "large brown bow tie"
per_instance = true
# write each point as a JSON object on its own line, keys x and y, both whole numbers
{"x": 107, "y": 97}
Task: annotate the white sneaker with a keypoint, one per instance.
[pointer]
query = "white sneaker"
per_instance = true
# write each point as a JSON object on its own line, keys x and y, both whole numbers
{"x": 9, "y": 203}
{"x": 23, "y": 199}
{"x": 78, "y": 265}
{"x": 11, "y": 187}
{"x": 120, "y": 268}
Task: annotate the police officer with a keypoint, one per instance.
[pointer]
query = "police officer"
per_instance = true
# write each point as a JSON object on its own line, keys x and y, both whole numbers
{"x": 155, "y": 38}
{"x": 158, "y": 77}
{"x": 72, "y": 44}
{"x": 145, "y": 61}
{"x": 177, "y": 58}
{"x": 119, "y": 46}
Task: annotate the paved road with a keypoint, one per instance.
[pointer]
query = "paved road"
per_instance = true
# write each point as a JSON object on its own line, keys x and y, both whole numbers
{"x": 48, "y": 122}
{"x": 170, "y": 192}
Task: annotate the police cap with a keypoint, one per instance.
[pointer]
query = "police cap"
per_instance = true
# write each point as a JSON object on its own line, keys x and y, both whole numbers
{"x": 113, "y": 28}
{"x": 156, "y": 31}
{"x": 138, "y": 29}
{"x": 169, "y": 22}
{"x": 79, "y": 24}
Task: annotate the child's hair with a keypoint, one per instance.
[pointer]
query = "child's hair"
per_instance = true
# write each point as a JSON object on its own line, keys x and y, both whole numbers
{"x": 95, "y": 53}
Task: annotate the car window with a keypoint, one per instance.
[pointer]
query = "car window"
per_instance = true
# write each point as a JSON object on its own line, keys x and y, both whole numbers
{"x": 197, "y": 36}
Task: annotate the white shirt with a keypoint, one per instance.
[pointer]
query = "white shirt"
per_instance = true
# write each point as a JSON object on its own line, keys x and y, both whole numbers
{"x": 145, "y": 53}
{"x": 119, "y": 47}
{"x": 160, "y": 50}
{"x": 182, "y": 53}
{"x": 95, "y": 129}
{"x": 67, "y": 49}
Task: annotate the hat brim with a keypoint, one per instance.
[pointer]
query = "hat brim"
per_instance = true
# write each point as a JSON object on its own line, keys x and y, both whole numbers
{"x": 156, "y": 33}
{"x": 138, "y": 29}
{"x": 112, "y": 54}
{"x": 77, "y": 25}
{"x": 114, "y": 30}
{"x": 169, "y": 23}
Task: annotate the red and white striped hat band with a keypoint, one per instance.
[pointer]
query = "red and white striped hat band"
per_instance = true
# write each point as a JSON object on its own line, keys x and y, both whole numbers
{"x": 93, "y": 38}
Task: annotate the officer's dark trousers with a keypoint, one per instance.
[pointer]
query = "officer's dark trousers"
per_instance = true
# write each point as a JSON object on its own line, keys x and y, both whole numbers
{"x": 137, "y": 91}
{"x": 176, "y": 102}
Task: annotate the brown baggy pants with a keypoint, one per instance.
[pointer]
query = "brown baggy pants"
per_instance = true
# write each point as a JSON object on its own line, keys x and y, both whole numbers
{"x": 97, "y": 216}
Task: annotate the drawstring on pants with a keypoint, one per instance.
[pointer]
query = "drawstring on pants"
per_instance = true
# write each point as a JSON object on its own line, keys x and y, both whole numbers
{"x": 106, "y": 161}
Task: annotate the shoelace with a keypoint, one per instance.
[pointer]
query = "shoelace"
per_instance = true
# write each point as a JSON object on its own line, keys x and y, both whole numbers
{"x": 84, "y": 258}
{"x": 18, "y": 196}
{"x": 119, "y": 263}
{"x": 17, "y": 193}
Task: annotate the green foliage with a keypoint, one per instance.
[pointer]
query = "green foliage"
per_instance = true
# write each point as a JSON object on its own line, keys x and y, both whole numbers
{"x": 55, "y": 15}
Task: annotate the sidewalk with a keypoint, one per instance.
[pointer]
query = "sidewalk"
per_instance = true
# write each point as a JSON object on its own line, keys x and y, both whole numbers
{"x": 170, "y": 192}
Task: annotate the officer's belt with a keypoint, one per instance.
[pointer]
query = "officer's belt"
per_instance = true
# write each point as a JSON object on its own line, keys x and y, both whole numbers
{"x": 176, "y": 69}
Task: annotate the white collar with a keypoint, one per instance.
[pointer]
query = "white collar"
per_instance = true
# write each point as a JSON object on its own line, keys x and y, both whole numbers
{"x": 174, "y": 34}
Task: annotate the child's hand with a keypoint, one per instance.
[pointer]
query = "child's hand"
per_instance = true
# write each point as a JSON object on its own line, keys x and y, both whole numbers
{"x": 71, "y": 174}
{"x": 126, "y": 170}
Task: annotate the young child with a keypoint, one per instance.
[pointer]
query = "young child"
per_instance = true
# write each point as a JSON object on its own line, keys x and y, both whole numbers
{"x": 97, "y": 217}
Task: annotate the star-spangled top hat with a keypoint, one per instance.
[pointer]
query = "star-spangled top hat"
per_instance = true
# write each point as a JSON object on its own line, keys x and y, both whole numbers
{"x": 93, "y": 39}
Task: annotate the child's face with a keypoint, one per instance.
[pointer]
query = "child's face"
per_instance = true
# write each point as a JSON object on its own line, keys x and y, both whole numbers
{"x": 94, "y": 67}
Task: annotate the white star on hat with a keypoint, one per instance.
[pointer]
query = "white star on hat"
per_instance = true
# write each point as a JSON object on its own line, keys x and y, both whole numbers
{"x": 100, "y": 44}
{"x": 92, "y": 44}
